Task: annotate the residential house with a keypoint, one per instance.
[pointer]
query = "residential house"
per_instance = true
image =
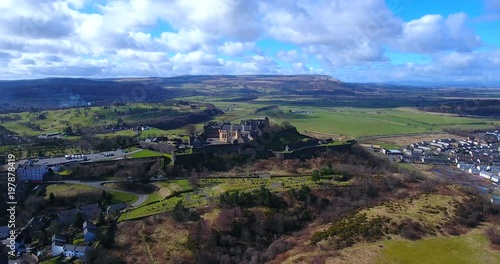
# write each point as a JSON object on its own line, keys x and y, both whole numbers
{"x": 80, "y": 252}
{"x": 89, "y": 231}
{"x": 91, "y": 211}
{"x": 495, "y": 179}
{"x": 66, "y": 217}
{"x": 58, "y": 242}
{"x": 486, "y": 175}
{"x": 115, "y": 208}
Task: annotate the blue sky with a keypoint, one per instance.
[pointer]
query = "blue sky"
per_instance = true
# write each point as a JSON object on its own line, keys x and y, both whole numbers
{"x": 353, "y": 40}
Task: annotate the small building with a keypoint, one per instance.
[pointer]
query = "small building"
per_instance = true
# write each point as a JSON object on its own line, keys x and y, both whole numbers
{"x": 58, "y": 242}
{"x": 376, "y": 148}
{"x": 80, "y": 252}
{"x": 495, "y": 179}
{"x": 115, "y": 208}
{"x": 91, "y": 211}
{"x": 486, "y": 175}
{"x": 89, "y": 231}
{"x": 394, "y": 152}
{"x": 474, "y": 171}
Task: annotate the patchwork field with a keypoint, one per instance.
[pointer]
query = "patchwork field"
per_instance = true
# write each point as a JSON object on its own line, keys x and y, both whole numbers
{"x": 312, "y": 116}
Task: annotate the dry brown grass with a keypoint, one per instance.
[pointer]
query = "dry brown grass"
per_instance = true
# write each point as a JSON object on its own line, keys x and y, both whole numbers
{"x": 405, "y": 140}
{"x": 156, "y": 239}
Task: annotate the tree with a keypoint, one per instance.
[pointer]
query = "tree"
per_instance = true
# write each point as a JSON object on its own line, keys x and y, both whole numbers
{"x": 190, "y": 129}
{"x": 69, "y": 131}
{"x": 315, "y": 176}
{"x": 84, "y": 145}
{"x": 52, "y": 199}
{"x": 104, "y": 195}
{"x": 78, "y": 221}
{"x": 101, "y": 221}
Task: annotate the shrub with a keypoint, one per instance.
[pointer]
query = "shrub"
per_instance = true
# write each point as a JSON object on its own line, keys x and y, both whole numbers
{"x": 493, "y": 234}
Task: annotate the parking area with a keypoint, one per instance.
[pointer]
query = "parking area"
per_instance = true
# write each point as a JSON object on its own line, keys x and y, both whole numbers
{"x": 111, "y": 155}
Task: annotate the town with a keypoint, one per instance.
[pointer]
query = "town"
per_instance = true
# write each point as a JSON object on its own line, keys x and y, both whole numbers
{"x": 72, "y": 232}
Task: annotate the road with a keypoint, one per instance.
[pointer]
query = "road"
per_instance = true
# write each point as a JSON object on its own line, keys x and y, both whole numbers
{"x": 100, "y": 185}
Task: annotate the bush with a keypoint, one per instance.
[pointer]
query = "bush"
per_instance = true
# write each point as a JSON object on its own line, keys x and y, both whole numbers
{"x": 493, "y": 234}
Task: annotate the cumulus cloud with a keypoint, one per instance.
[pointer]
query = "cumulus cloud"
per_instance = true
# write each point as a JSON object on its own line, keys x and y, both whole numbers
{"x": 163, "y": 38}
{"x": 433, "y": 33}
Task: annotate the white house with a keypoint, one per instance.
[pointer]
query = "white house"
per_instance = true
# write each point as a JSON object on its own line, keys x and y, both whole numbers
{"x": 58, "y": 243}
{"x": 486, "y": 175}
{"x": 495, "y": 179}
{"x": 80, "y": 252}
{"x": 30, "y": 171}
{"x": 474, "y": 171}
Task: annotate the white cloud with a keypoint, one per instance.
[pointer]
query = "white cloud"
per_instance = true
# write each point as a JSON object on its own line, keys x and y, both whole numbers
{"x": 122, "y": 37}
{"x": 237, "y": 48}
{"x": 433, "y": 33}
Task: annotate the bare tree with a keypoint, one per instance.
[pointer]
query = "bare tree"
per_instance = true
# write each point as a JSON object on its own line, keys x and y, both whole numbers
{"x": 190, "y": 129}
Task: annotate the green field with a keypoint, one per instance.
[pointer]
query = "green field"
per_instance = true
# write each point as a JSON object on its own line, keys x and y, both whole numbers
{"x": 369, "y": 122}
{"x": 466, "y": 249}
{"x": 313, "y": 115}
{"x": 73, "y": 190}
{"x": 57, "y": 120}
{"x": 145, "y": 153}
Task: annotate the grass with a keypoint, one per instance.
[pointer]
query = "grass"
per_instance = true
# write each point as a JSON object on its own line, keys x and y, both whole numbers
{"x": 79, "y": 240}
{"x": 53, "y": 260}
{"x": 346, "y": 121}
{"x": 472, "y": 248}
{"x": 153, "y": 132}
{"x": 120, "y": 197}
{"x": 72, "y": 190}
{"x": 65, "y": 190}
{"x": 145, "y": 153}
{"x": 58, "y": 120}
{"x": 384, "y": 145}
{"x": 64, "y": 172}
{"x": 431, "y": 210}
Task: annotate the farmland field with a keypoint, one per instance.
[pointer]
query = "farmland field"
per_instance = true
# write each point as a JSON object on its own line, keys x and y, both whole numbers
{"x": 321, "y": 116}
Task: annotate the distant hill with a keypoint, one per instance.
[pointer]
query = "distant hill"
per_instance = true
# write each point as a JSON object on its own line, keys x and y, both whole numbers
{"x": 69, "y": 92}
